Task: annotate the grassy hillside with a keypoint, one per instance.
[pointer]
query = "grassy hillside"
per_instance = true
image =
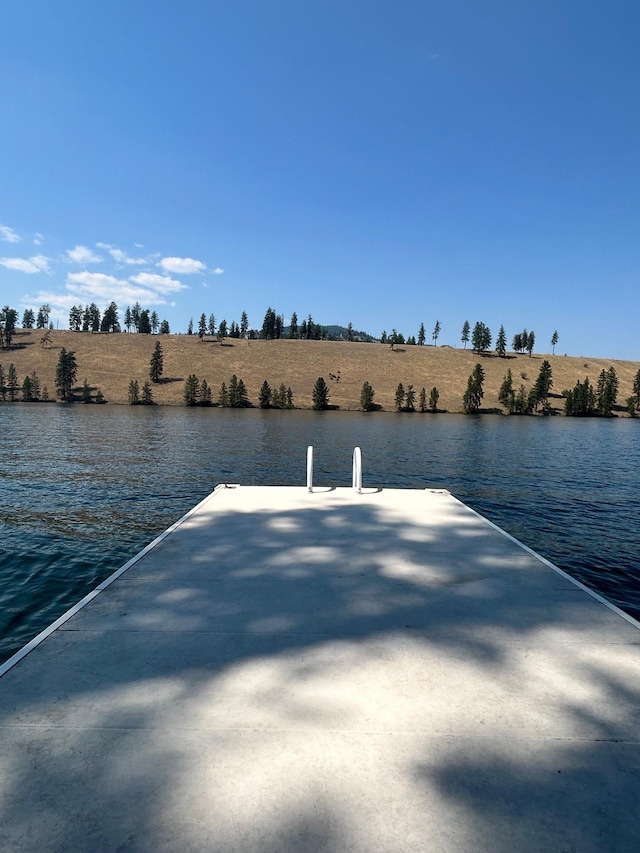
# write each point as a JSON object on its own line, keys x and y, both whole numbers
{"x": 110, "y": 362}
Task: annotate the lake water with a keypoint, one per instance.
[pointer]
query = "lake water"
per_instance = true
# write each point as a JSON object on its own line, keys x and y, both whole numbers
{"x": 83, "y": 488}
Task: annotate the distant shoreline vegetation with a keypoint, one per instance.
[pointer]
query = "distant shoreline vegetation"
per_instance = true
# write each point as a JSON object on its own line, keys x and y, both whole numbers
{"x": 383, "y": 378}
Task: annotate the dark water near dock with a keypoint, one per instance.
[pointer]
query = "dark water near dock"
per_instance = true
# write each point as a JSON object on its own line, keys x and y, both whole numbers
{"x": 82, "y": 489}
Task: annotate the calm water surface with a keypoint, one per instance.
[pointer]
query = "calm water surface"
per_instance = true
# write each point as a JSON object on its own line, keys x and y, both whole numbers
{"x": 82, "y": 489}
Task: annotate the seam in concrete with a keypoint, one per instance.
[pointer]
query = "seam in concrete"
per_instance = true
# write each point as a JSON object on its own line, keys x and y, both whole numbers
{"x": 39, "y": 638}
{"x": 555, "y": 568}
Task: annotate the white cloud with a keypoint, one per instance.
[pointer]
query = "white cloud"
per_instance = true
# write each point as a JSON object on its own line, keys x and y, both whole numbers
{"x": 8, "y": 235}
{"x": 83, "y": 255}
{"x": 185, "y": 266}
{"x": 161, "y": 283}
{"x": 217, "y": 271}
{"x": 122, "y": 257}
{"x": 37, "y": 263}
{"x": 99, "y": 286}
{"x": 38, "y": 238}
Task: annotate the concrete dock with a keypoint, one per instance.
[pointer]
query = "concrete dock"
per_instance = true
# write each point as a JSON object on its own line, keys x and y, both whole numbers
{"x": 327, "y": 671}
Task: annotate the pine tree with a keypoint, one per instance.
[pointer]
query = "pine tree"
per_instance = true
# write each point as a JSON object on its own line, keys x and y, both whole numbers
{"x": 366, "y": 397}
{"x": 422, "y": 399}
{"x": 410, "y": 399}
{"x": 580, "y": 401}
{"x": 155, "y": 322}
{"x": 531, "y": 339}
{"x": 288, "y": 398}
{"x": 434, "y": 397}
{"x": 543, "y": 386}
{"x": 607, "y": 391}
{"x": 293, "y": 326}
{"x": 8, "y": 320}
{"x": 27, "y": 392}
{"x": 146, "y": 397}
{"x": 506, "y": 393}
{"x": 554, "y": 341}
{"x": 636, "y": 389}
{"x": 244, "y": 324}
{"x": 481, "y": 337}
{"x": 134, "y": 393}
{"x": 436, "y": 333}
{"x": 399, "y": 397}
{"x": 206, "y": 395}
{"x": 3, "y": 383}
{"x": 85, "y": 394}
{"x": 501, "y": 343}
{"x": 190, "y": 327}
{"x": 144, "y": 326}
{"x": 516, "y": 345}
{"x": 202, "y": 326}
{"x": 66, "y": 372}
{"x": 223, "y": 395}
{"x": 191, "y": 392}
{"x": 156, "y": 365}
{"x": 264, "y": 396}
{"x": 421, "y": 335}
{"x": 320, "y": 394}
{"x": 99, "y": 396}
{"x": 222, "y": 329}
{"x": 475, "y": 392}
{"x": 28, "y": 319}
{"x": 212, "y": 325}
{"x": 128, "y": 320}
{"x": 466, "y": 328}
{"x": 164, "y": 327}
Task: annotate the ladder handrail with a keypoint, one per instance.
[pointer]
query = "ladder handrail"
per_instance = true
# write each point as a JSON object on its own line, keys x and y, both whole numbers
{"x": 310, "y": 468}
{"x": 356, "y": 480}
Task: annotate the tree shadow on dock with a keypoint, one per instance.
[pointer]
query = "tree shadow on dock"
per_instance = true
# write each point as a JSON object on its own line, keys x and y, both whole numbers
{"x": 349, "y": 629}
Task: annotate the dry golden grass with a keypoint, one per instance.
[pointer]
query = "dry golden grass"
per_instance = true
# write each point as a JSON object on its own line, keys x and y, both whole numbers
{"x": 110, "y": 362}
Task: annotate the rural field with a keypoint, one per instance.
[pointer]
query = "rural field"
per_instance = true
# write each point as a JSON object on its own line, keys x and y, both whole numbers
{"x": 110, "y": 361}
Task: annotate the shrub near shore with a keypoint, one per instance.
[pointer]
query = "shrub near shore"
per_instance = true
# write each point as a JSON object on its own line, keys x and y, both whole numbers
{"x": 111, "y": 362}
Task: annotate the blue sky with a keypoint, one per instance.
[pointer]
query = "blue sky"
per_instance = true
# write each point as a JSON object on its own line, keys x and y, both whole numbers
{"x": 380, "y": 163}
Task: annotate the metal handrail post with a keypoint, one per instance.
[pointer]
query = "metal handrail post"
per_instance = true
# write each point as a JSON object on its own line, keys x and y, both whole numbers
{"x": 310, "y": 468}
{"x": 357, "y": 470}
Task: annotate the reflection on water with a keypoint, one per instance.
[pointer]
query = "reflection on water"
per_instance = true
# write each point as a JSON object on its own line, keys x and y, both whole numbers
{"x": 84, "y": 488}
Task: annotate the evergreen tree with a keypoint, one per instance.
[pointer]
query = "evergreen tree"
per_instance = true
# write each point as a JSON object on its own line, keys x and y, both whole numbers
{"x": 631, "y": 406}
{"x": 75, "y": 318}
{"x": 411, "y": 341}
{"x": 156, "y": 365}
{"x": 481, "y": 337}
{"x": 135, "y": 316}
{"x": 190, "y": 330}
{"x": 45, "y": 394}
{"x": 85, "y": 393}
{"x": 128, "y": 320}
{"x": 436, "y": 333}
{"x": 501, "y": 343}
{"x": 42, "y": 320}
{"x": 66, "y": 372}
{"x": 434, "y": 397}
{"x": 191, "y": 392}
{"x": 244, "y": 324}
{"x": 144, "y": 325}
{"x": 516, "y": 345}
{"x": 202, "y": 326}
{"x": 206, "y": 395}
{"x": 383, "y": 337}
{"x": 110, "y": 319}
{"x": 134, "y": 393}
{"x": 27, "y": 392}
{"x": 475, "y": 392}
{"x": 581, "y": 400}
{"x": 35, "y": 385}
{"x": 222, "y": 329}
{"x": 524, "y": 340}
{"x": 366, "y": 398}
{"x": 223, "y": 395}
{"x": 288, "y": 398}
{"x": 350, "y": 331}
{"x": 264, "y": 396}
{"x": 607, "y": 391}
{"x": 399, "y": 397}
{"x": 466, "y": 328}
{"x": 543, "y": 386}
{"x": 421, "y": 335}
{"x": 212, "y": 324}
{"x": 3, "y": 383}
{"x": 422, "y": 399}
{"x": 531, "y": 340}
{"x": 12, "y": 382}
{"x": 99, "y": 397}
{"x": 410, "y": 399}
{"x": 506, "y": 393}
{"x": 164, "y": 327}
{"x": 269, "y": 325}
{"x": 237, "y": 393}
{"x": 636, "y": 389}
{"x": 554, "y": 341}
{"x": 146, "y": 398}
{"x": 320, "y": 394}
{"x": 28, "y": 319}
{"x": 155, "y": 322}
{"x": 293, "y": 326}
{"x": 8, "y": 320}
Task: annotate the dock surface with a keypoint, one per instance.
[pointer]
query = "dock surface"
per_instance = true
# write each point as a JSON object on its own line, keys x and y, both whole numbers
{"x": 287, "y": 671}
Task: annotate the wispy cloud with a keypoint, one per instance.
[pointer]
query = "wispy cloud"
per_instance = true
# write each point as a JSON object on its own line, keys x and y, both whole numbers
{"x": 37, "y": 263}
{"x": 217, "y": 271}
{"x": 38, "y": 238}
{"x": 122, "y": 257}
{"x": 159, "y": 283}
{"x": 184, "y": 266}
{"x": 83, "y": 255}
{"x": 8, "y": 235}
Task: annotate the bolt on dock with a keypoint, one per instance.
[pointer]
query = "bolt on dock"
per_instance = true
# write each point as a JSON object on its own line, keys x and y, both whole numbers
{"x": 326, "y": 670}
